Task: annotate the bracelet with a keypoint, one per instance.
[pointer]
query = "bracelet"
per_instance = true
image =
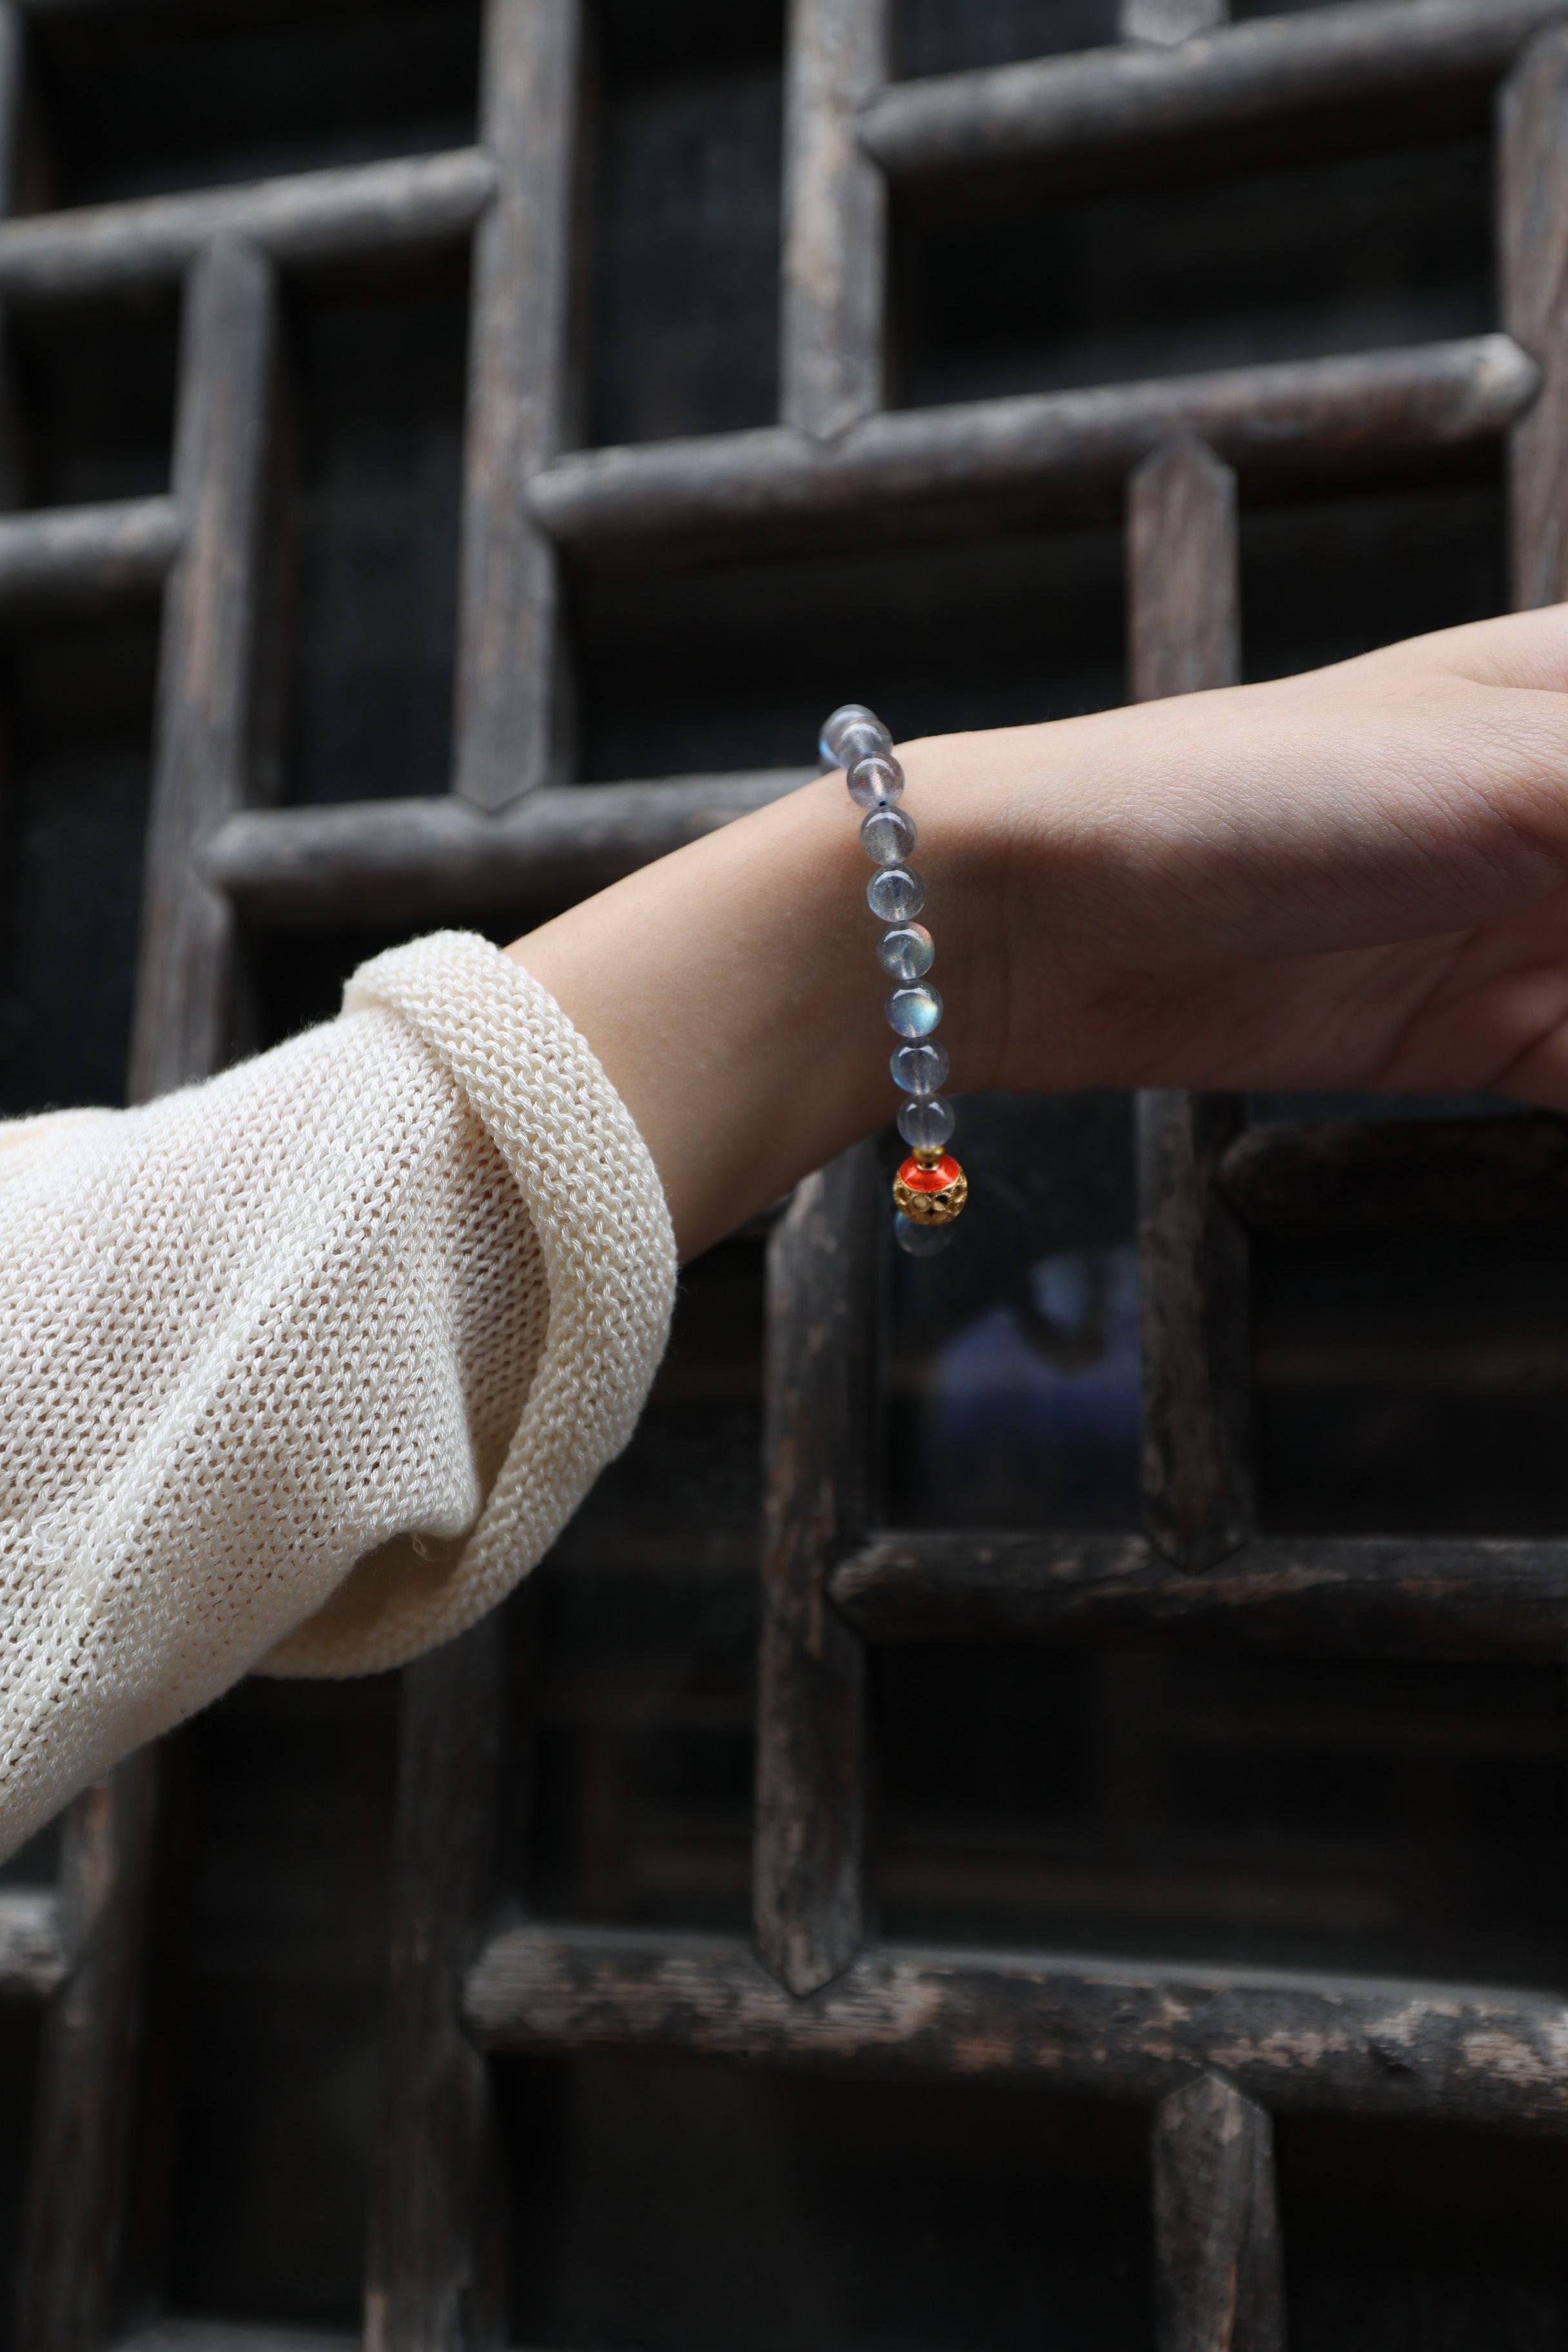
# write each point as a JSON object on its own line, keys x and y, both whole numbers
{"x": 931, "y": 1188}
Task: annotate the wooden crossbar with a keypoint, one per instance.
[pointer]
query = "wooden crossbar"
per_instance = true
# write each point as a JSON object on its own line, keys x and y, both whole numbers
{"x": 1297, "y": 2042}
{"x": 416, "y": 860}
{"x": 1337, "y": 1596}
{"x": 311, "y": 217}
{"x": 1060, "y": 450}
{"x": 1364, "y": 54}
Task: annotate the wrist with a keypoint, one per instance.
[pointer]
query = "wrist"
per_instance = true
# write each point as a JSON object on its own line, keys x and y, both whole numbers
{"x": 733, "y": 995}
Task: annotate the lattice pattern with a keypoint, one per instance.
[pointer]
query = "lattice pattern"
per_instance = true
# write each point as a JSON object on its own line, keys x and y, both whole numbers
{"x": 1217, "y": 2050}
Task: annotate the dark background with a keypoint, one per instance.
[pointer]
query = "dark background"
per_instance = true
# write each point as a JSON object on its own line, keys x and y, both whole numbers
{"x": 1386, "y": 1818}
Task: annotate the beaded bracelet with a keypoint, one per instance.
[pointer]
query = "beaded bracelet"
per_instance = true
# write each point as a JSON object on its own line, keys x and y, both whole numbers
{"x": 931, "y": 1188}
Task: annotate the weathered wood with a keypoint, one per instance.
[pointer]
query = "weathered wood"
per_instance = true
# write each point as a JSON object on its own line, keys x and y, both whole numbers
{"x": 84, "y": 556}
{"x": 1184, "y": 564}
{"x": 75, "y": 2180}
{"x": 13, "y": 50}
{"x": 368, "y": 209}
{"x": 202, "y": 767}
{"x": 409, "y": 861}
{"x": 1184, "y": 621}
{"x": 1340, "y": 1596}
{"x": 1300, "y": 2042}
{"x": 13, "y": 110}
{"x": 1048, "y": 448}
{"x": 231, "y": 2336}
{"x": 835, "y": 203}
{"x": 84, "y": 1942}
{"x": 1168, "y": 22}
{"x": 31, "y": 1954}
{"x": 436, "y": 2265}
{"x": 1400, "y": 1176}
{"x": 510, "y": 723}
{"x": 810, "y": 1763}
{"x": 1368, "y": 53}
{"x": 1193, "y": 1287}
{"x": 1219, "y": 2281}
{"x": 1534, "y": 259}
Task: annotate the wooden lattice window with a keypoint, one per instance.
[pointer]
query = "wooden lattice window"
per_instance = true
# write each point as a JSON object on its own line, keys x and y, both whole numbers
{"x": 1086, "y": 323}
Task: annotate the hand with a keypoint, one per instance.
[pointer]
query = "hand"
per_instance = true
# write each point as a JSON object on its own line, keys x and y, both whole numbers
{"x": 1354, "y": 879}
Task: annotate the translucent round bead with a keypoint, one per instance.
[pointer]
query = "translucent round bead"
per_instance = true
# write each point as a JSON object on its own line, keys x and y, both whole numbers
{"x": 913, "y": 1012}
{"x": 907, "y": 953}
{"x": 920, "y": 1069}
{"x": 888, "y": 836}
{"x": 852, "y": 718}
{"x": 920, "y": 1240}
{"x": 927, "y": 1123}
{"x": 875, "y": 783}
{"x": 895, "y": 894}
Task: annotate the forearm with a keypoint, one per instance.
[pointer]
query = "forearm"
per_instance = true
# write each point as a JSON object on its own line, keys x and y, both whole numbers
{"x": 1356, "y": 878}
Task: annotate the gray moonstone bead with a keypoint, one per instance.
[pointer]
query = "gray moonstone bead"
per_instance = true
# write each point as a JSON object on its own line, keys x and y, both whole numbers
{"x": 913, "y": 1012}
{"x": 851, "y": 732}
{"x": 908, "y": 952}
{"x": 921, "y": 1241}
{"x": 927, "y": 1123}
{"x": 888, "y": 836}
{"x": 875, "y": 783}
{"x": 895, "y": 894}
{"x": 920, "y": 1069}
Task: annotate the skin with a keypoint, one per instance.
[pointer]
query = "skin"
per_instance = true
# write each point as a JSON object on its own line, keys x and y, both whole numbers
{"x": 1355, "y": 879}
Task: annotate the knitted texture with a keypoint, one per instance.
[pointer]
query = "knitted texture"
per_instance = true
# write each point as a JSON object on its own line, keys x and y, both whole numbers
{"x": 302, "y": 1369}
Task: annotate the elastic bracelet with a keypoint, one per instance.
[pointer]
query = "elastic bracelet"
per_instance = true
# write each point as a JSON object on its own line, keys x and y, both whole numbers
{"x": 931, "y": 1188}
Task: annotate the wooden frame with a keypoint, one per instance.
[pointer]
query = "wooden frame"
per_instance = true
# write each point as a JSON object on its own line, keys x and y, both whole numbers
{"x": 1211, "y": 2053}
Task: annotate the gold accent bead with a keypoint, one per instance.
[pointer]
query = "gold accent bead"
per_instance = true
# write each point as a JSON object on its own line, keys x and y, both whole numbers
{"x": 931, "y": 1208}
{"x": 928, "y": 1154}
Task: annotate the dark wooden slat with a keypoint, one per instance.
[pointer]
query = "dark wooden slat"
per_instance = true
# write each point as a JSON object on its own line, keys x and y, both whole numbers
{"x": 1051, "y": 447}
{"x": 1407, "y": 1176}
{"x": 77, "y": 556}
{"x": 13, "y": 109}
{"x": 1375, "y": 1596}
{"x": 435, "y": 2273}
{"x": 1219, "y": 2284}
{"x": 1168, "y": 22}
{"x": 75, "y": 2187}
{"x": 1296, "y": 2043}
{"x": 1534, "y": 227}
{"x": 229, "y": 2336}
{"x": 834, "y": 217}
{"x": 1183, "y": 563}
{"x": 203, "y": 763}
{"x": 808, "y": 1852}
{"x": 384, "y": 862}
{"x": 1182, "y": 573}
{"x": 1367, "y": 53}
{"x": 13, "y": 44}
{"x": 1193, "y": 1279}
{"x": 82, "y": 1942}
{"x": 509, "y": 726}
{"x": 76, "y": 2181}
{"x": 31, "y": 1954}
{"x": 312, "y": 217}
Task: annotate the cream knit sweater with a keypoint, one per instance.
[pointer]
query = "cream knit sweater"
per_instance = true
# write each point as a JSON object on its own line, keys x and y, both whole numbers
{"x": 302, "y": 1369}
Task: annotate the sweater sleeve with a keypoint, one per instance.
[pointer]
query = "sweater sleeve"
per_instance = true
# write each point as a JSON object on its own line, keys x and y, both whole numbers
{"x": 303, "y": 1368}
